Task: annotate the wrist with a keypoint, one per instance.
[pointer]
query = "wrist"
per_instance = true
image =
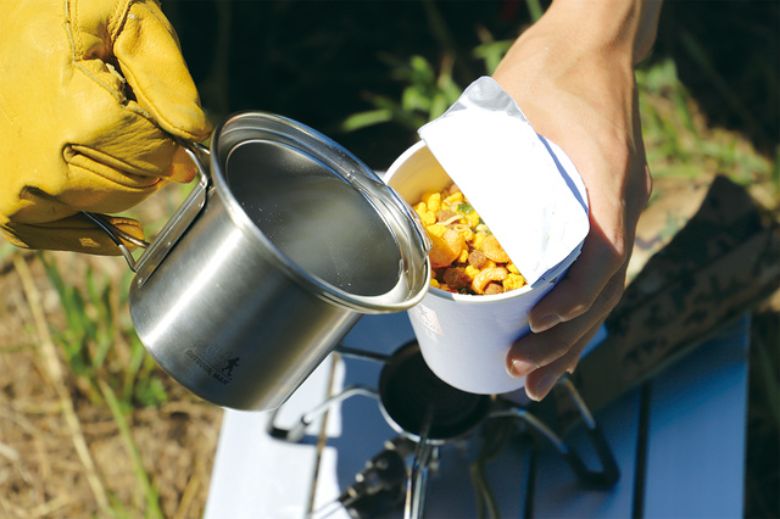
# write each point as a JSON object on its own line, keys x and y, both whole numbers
{"x": 559, "y": 62}
{"x": 556, "y": 53}
{"x": 624, "y": 30}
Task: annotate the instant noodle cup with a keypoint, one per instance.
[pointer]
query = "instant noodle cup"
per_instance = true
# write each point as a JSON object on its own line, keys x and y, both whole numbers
{"x": 465, "y": 338}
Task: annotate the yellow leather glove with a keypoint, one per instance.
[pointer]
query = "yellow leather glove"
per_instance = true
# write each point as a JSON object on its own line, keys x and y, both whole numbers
{"x": 92, "y": 93}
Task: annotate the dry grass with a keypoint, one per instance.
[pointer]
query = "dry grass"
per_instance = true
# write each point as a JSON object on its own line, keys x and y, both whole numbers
{"x": 64, "y": 451}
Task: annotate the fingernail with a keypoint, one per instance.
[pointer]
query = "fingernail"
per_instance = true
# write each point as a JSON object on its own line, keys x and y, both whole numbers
{"x": 520, "y": 368}
{"x": 532, "y": 396}
{"x": 543, "y": 386}
{"x": 544, "y": 323}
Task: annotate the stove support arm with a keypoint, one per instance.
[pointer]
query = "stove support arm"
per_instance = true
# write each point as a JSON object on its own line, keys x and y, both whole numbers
{"x": 296, "y": 433}
{"x": 597, "y": 479}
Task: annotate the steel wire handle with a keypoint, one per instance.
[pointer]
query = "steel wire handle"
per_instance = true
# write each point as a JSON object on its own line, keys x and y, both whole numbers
{"x": 196, "y": 200}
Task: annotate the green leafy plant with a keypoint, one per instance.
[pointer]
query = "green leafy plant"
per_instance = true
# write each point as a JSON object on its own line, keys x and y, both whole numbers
{"x": 427, "y": 95}
{"x": 428, "y": 91}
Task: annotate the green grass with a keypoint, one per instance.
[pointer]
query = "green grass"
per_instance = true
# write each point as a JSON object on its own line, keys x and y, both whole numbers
{"x": 98, "y": 341}
{"x": 151, "y": 497}
{"x": 679, "y": 142}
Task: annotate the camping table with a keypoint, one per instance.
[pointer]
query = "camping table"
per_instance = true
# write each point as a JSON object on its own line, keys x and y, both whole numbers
{"x": 679, "y": 441}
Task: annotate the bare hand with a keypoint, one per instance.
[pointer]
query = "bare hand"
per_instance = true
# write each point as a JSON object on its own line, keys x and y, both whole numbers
{"x": 583, "y": 98}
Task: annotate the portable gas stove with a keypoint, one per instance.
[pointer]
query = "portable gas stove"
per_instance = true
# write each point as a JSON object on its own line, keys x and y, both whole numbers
{"x": 428, "y": 414}
{"x": 373, "y": 433}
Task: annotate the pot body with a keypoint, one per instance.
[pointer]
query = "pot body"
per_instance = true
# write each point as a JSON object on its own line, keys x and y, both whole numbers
{"x": 260, "y": 274}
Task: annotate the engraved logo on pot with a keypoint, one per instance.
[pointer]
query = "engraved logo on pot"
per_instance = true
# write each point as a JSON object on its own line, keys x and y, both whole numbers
{"x": 223, "y": 374}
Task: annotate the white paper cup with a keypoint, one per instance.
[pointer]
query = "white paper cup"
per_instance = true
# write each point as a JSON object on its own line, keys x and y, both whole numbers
{"x": 463, "y": 338}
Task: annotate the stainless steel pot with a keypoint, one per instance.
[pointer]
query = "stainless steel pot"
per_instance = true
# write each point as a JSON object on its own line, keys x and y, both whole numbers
{"x": 285, "y": 241}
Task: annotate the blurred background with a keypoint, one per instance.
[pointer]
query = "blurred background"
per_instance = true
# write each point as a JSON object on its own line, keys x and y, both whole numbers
{"x": 90, "y": 427}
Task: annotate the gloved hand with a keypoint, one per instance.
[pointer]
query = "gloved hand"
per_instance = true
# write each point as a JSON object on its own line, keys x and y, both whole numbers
{"x": 92, "y": 94}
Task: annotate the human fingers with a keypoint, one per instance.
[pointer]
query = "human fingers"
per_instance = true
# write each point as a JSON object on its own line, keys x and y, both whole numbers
{"x": 537, "y": 350}
{"x": 540, "y": 382}
{"x": 585, "y": 281}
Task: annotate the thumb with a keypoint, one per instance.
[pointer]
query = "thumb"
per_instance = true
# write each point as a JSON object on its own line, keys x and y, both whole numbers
{"x": 148, "y": 53}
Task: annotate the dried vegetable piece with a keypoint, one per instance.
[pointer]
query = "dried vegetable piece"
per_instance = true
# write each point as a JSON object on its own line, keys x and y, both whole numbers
{"x": 477, "y": 259}
{"x": 487, "y": 275}
{"x": 445, "y": 249}
{"x": 493, "y": 288}
{"x": 456, "y": 278}
{"x": 493, "y": 250}
{"x": 513, "y": 281}
{"x": 465, "y": 256}
{"x": 443, "y": 215}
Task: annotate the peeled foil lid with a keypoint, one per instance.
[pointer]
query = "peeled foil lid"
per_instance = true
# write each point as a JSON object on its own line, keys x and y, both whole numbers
{"x": 524, "y": 187}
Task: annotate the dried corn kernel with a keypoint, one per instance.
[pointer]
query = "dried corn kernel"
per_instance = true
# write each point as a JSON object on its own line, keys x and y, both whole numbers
{"x": 479, "y": 237}
{"x": 471, "y": 271}
{"x": 435, "y": 283}
{"x": 464, "y": 256}
{"x": 513, "y": 281}
{"x": 421, "y": 208}
{"x": 436, "y": 229}
{"x": 472, "y": 219}
{"x": 454, "y": 198}
{"x": 433, "y": 200}
{"x": 512, "y": 268}
{"x": 428, "y": 218}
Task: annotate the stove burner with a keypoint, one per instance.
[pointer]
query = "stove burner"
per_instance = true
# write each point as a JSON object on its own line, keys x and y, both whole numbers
{"x": 411, "y": 395}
